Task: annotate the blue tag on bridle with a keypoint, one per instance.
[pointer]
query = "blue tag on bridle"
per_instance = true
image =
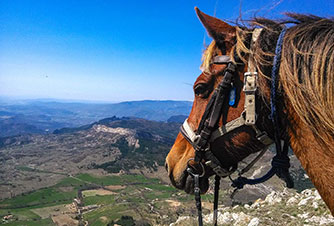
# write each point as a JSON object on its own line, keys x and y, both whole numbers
{"x": 232, "y": 97}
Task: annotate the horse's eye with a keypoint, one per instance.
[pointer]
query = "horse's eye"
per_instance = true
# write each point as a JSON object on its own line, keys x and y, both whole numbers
{"x": 201, "y": 90}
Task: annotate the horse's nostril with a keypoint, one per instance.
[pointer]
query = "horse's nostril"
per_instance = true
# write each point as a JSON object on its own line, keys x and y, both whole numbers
{"x": 166, "y": 166}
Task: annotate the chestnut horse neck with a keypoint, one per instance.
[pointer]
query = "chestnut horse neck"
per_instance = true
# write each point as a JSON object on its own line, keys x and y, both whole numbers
{"x": 307, "y": 83}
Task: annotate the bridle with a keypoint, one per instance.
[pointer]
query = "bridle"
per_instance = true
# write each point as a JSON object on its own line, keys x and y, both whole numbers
{"x": 209, "y": 130}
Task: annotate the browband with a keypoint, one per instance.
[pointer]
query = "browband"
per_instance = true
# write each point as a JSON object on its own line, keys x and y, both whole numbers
{"x": 224, "y": 59}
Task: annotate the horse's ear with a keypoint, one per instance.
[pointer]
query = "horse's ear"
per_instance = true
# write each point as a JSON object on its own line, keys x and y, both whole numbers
{"x": 217, "y": 29}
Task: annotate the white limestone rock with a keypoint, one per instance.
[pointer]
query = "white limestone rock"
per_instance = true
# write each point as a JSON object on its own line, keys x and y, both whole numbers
{"x": 303, "y": 202}
{"x": 321, "y": 220}
{"x": 303, "y": 216}
{"x": 254, "y": 222}
{"x": 273, "y": 197}
{"x": 315, "y": 205}
{"x": 241, "y": 219}
{"x": 307, "y": 192}
{"x": 316, "y": 195}
{"x": 182, "y": 220}
{"x": 222, "y": 218}
{"x": 292, "y": 201}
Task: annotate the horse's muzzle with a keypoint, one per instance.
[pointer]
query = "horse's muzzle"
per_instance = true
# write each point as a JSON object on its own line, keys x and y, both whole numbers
{"x": 189, "y": 184}
{"x": 186, "y": 182}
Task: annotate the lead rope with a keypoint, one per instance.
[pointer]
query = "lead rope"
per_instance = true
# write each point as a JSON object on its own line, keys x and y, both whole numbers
{"x": 197, "y": 192}
{"x": 215, "y": 202}
{"x": 281, "y": 159}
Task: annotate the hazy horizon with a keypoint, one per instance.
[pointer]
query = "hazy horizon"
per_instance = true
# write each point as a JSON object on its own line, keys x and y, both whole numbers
{"x": 23, "y": 99}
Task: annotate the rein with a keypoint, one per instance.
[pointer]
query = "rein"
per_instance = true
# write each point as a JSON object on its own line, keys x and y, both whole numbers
{"x": 208, "y": 130}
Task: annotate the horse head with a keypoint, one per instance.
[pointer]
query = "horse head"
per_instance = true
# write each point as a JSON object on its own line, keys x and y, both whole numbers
{"x": 241, "y": 140}
{"x": 289, "y": 74}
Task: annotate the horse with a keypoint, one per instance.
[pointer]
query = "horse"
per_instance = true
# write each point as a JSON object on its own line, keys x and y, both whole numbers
{"x": 303, "y": 100}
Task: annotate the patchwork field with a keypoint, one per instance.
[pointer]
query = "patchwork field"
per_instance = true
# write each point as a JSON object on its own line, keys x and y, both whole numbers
{"x": 96, "y": 192}
{"x": 97, "y": 200}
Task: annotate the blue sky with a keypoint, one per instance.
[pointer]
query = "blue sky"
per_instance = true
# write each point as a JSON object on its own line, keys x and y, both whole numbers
{"x": 114, "y": 50}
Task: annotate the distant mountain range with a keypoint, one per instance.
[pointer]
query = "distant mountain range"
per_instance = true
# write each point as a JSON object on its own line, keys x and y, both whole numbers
{"x": 41, "y": 117}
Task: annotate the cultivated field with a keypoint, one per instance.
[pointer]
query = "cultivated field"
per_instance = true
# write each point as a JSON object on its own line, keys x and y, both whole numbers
{"x": 98, "y": 201}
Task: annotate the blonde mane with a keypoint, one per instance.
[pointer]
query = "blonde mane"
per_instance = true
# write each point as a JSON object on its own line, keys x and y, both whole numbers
{"x": 240, "y": 49}
{"x": 307, "y": 67}
{"x": 207, "y": 56}
{"x": 307, "y": 74}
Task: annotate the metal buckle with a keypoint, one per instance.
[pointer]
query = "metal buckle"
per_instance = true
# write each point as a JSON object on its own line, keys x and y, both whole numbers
{"x": 199, "y": 148}
{"x": 250, "y": 85}
{"x": 249, "y": 73}
{"x": 264, "y": 138}
{"x": 190, "y": 169}
{"x": 196, "y": 139}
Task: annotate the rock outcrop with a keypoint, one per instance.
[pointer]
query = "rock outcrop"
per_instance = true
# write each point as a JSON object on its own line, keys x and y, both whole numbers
{"x": 287, "y": 207}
